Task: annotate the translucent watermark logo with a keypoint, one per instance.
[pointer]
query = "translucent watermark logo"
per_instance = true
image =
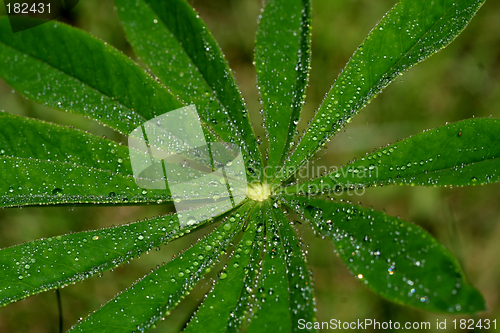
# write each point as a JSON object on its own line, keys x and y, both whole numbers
{"x": 204, "y": 178}
{"x": 333, "y": 180}
{"x": 26, "y": 14}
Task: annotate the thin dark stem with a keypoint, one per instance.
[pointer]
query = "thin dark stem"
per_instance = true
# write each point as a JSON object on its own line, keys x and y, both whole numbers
{"x": 59, "y": 306}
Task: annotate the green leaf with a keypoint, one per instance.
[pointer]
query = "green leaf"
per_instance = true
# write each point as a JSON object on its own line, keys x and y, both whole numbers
{"x": 459, "y": 154}
{"x": 396, "y": 259}
{"x": 301, "y": 298}
{"x": 141, "y": 306}
{"x": 65, "y": 68}
{"x": 218, "y": 311}
{"x": 272, "y": 291}
{"x": 238, "y": 321}
{"x": 174, "y": 42}
{"x": 411, "y": 32}
{"x": 46, "y": 164}
{"x": 44, "y": 264}
{"x": 43, "y": 163}
{"x": 282, "y": 56}
{"x": 283, "y": 288}
{"x": 35, "y": 139}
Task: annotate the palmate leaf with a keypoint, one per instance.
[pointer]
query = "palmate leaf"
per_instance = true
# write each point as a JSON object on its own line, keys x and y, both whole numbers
{"x": 266, "y": 285}
{"x": 408, "y": 34}
{"x": 141, "y": 306}
{"x": 282, "y": 56}
{"x": 396, "y": 259}
{"x": 463, "y": 153}
{"x": 175, "y": 43}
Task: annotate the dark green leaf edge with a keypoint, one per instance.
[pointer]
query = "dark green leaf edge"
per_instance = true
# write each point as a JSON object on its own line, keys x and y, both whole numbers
{"x": 27, "y": 268}
{"x": 151, "y": 298}
{"x": 415, "y": 270}
{"x": 345, "y": 99}
{"x": 194, "y": 60}
{"x": 217, "y": 312}
{"x": 428, "y": 159}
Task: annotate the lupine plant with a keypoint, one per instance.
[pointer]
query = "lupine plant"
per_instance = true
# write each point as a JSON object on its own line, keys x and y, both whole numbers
{"x": 265, "y": 284}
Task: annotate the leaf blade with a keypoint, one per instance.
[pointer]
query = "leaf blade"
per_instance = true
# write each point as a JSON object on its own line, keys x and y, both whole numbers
{"x": 300, "y": 286}
{"x": 175, "y": 43}
{"x": 396, "y": 259}
{"x": 141, "y": 306}
{"x": 282, "y": 57}
{"x": 270, "y": 299}
{"x": 283, "y": 287}
{"x": 78, "y": 256}
{"x": 458, "y": 154}
{"x": 387, "y": 52}
{"x": 52, "y": 61}
{"x": 43, "y": 163}
{"x": 218, "y": 312}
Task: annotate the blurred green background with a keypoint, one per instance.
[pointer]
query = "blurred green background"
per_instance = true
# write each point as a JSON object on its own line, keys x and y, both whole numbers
{"x": 460, "y": 82}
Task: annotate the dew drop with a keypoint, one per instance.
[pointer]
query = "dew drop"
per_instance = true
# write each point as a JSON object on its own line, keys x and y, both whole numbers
{"x": 57, "y": 191}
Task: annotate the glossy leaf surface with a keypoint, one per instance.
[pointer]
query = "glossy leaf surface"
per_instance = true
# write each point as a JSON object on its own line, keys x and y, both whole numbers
{"x": 141, "y": 306}
{"x": 459, "y": 154}
{"x": 396, "y": 259}
{"x": 45, "y": 264}
{"x": 65, "y": 68}
{"x": 175, "y": 43}
{"x": 282, "y": 56}
{"x": 408, "y": 34}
